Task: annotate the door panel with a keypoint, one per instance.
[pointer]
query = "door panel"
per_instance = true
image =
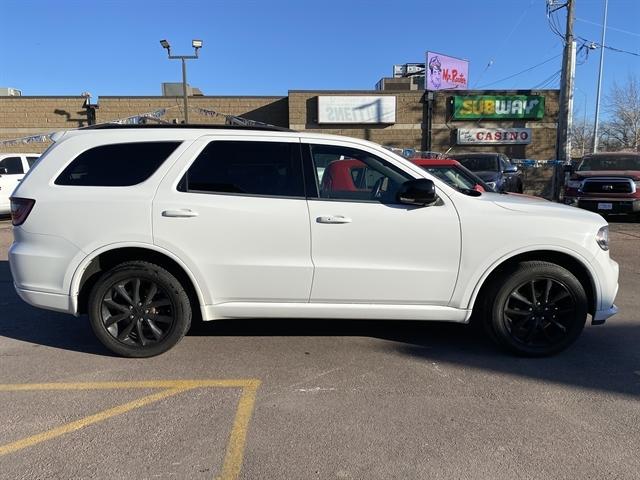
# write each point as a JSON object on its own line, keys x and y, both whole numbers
{"x": 385, "y": 253}
{"x": 368, "y": 251}
{"x": 244, "y": 247}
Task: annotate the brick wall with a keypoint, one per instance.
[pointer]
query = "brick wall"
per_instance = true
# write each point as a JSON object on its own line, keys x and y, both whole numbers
{"x": 24, "y": 116}
{"x": 272, "y": 110}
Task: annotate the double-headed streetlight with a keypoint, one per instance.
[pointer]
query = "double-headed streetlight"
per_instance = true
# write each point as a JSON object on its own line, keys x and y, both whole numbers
{"x": 197, "y": 45}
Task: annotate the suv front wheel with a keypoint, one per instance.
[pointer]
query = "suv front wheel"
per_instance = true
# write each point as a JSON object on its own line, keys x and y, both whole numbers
{"x": 139, "y": 309}
{"x": 536, "y": 309}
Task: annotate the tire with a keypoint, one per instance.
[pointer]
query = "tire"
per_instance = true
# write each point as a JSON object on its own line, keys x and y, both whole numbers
{"x": 537, "y": 328}
{"x": 138, "y": 309}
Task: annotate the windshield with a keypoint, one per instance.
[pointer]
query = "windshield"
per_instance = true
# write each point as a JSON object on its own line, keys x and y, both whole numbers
{"x": 610, "y": 163}
{"x": 478, "y": 164}
{"x": 452, "y": 177}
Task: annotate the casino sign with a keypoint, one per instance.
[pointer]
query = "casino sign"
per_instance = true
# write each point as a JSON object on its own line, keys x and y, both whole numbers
{"x": 493, "y": 136}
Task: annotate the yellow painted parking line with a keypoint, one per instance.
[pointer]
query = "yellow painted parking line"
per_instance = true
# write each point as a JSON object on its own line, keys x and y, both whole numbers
{"x": 232, "y": 383}
{"x": 237, "y": 438}
{"x": 86, "y": 421}
{"x": 235, "y": 447}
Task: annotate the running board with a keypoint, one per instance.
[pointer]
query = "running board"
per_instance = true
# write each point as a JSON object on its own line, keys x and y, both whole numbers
{"x": 334, "y": 310}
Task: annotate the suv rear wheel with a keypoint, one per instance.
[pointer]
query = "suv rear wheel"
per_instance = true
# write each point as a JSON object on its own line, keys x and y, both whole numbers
{"x": 139, "y": 309}
{"x": 536, "y": 309}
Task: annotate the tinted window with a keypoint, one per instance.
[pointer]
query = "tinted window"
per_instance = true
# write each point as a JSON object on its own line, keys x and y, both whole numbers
{"x": 116, "y": 165}
{"x": 253, "y": 168}
{"x": 12, "y": 165}
{"x": 453, "y": 177}
{"x": 614, "y": 162}
{"x": 31, "y": 161}
{"x": 350, "y": 174}
{"x": 480, "y": 163}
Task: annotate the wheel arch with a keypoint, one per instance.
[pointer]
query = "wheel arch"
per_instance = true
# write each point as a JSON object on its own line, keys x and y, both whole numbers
{"x": 577, "y": 266}
{"x": 105, "y": 258}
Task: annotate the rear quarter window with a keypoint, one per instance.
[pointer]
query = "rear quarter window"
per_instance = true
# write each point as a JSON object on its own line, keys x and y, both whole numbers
{"x": 116, "y": 165}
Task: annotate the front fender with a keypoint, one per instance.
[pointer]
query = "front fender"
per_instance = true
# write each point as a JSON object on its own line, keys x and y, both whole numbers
{"x": 466, "y": 295}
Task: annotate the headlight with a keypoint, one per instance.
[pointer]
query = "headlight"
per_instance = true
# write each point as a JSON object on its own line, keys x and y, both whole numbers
{"x": 602, "y": 238}
{"x": 574, "y": 183}
{"x": 492, "y": 185}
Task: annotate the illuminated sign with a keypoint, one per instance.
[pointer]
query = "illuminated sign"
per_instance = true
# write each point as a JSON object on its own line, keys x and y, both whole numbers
{"x": 445, "y": 73}
{"x": 498, "y": 106}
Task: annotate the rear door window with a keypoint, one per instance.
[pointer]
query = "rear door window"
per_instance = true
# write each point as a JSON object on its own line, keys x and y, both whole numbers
{"x": 116, "y": 165}
{"x": 31, "y": 161}
{"x": 247, "y": 168}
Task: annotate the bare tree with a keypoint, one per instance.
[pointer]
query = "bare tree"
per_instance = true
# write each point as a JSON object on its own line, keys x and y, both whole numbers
{"x": 622, "y": 104}
{"x": 581, "y": 134}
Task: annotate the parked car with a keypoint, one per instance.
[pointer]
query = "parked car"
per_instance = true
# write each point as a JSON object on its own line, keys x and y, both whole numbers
{"x": 606, "y": 183}
{"x": 495, "y": 169}
{"x": 144, "y": 228}
{"x": 13, "y": 166}
{"x": 453, "y": 173}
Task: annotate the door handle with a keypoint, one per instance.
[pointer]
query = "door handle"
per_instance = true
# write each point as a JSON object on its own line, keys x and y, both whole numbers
{"x": 182, "y": 213}
{"x": 333, "y": 219}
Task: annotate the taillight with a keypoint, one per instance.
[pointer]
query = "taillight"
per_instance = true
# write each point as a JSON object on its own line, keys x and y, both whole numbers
{"x": 20, "y": 209}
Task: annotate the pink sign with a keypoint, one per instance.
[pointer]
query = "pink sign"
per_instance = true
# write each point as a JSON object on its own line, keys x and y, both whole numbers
{"x": 445, "y": 73}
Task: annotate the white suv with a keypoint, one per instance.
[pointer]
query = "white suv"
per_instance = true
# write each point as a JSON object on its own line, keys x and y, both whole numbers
{"x": 12, "y": 168}
{"x": 145, "y": 228}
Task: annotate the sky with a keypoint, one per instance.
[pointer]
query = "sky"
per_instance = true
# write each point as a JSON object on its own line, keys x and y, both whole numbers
{"x": 269, "y": 47}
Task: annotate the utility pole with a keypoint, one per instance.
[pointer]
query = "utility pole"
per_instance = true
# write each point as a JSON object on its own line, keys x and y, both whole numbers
{"x": 565, "y": 114}
{"x": 597, "y": 119}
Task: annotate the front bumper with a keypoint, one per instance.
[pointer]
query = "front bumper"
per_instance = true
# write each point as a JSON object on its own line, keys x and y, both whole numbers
{"x": 593, "y": 204}
{"x": 601, "y": 316}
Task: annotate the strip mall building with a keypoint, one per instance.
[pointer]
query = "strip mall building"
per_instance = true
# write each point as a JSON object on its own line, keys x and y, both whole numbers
{"x": 521, "y": 123}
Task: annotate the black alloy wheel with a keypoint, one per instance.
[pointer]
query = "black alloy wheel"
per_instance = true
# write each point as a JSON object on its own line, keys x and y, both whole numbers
{"x": 139, "y": 309}
{"x": 539, "y": 312}
{"x": 535, "y": 308}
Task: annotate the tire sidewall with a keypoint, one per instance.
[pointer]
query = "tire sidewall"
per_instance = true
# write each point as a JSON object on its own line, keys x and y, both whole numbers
{"x": 535, "y": 272}
{"x": 175, "y": 292}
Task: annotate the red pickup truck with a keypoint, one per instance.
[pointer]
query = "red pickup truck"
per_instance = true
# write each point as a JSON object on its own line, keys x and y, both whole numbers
{"x": 606, "y": 183}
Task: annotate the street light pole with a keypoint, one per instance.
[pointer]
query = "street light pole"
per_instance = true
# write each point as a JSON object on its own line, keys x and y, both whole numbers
{"x": 197, "y": 45}
{"x": 184, "y": 90}
{"x": 597, "y": 119}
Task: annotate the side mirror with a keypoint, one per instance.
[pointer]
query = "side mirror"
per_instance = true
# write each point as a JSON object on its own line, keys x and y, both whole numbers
{"x": 511, "y": 169}
{"x": 420, "y": 191}
{"x": 3, "y": 170}
{"x": 568, "y": 168}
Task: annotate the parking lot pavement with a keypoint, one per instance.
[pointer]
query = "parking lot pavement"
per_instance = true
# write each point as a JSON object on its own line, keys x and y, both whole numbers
{"x": 302, "y": 399}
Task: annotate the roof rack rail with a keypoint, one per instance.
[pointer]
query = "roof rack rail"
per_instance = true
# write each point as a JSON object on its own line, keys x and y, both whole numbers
{"x": 115, "y": 126}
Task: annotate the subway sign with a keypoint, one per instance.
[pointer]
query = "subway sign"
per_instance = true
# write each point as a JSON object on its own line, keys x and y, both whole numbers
{"x": 471, "y": 107}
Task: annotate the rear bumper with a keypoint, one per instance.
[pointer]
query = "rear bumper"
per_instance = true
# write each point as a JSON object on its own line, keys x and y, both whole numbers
{"x": 46, "y": 300}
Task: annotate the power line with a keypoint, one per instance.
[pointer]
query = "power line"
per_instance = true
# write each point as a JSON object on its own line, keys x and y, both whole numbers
{"x": 547, "y": 81}
{"x": 608, "y": 27}
{"x": 614, "y": 49}
{"x": 521, "y": 72}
